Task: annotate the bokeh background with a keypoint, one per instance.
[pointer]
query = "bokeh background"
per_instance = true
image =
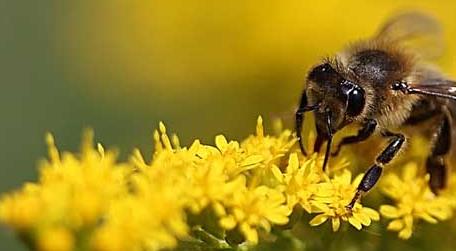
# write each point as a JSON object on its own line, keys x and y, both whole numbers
{"x": 203, "y": 67}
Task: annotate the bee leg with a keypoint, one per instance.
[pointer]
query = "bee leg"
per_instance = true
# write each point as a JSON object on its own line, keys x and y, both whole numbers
{"x": 372, "y": 175}
{"x": 364, "y": 133}
{"x": 321, "y": 138}
{"x": 435, "y": 163}
{"x": 303, "y": 107}
{"x": 329, "y": 141}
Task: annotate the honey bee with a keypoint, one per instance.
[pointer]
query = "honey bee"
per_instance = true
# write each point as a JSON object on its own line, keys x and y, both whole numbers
{"x": 384, "y": 84}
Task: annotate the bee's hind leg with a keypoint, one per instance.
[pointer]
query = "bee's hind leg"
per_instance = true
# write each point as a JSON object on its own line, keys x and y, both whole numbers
{"x": 435, "y": 163}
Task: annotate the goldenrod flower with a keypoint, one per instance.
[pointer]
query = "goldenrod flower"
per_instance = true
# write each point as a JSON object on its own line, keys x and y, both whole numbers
{"x": 271, "y": 148}
{"x": 413, "y": 201}
{"x": 300, "y": 180}
{"x": 71, "y": 195}
{"x": 331, "y": 200}
{"x": 236, "y": 158}
{"x": 251, "y": 208}
{"x": 152, "y": 219}
{"x": 21, "y": 209}
{"x": 152, "y": 215}
{"x": 203, "y": 176}
{"x": 203, "y": 194}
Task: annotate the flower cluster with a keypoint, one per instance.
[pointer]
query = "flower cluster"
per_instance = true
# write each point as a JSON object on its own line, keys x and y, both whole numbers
{"x": 414, "y": 201}
{"x": 71, "y": 196}
{"x": 233, "y": 193}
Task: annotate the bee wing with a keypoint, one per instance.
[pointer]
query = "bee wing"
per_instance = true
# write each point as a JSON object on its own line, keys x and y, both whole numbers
{"x": 436, "y": 87}
{"x": 415, "y": 31}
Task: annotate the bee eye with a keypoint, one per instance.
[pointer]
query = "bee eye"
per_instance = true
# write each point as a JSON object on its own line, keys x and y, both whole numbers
{"x": 355, "y": 98}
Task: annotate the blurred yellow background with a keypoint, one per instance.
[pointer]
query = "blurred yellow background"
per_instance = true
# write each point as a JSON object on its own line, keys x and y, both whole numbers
{"x": 203, "y": 67}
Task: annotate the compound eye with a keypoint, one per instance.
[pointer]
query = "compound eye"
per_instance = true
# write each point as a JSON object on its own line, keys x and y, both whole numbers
{"x": 355, "y": 98}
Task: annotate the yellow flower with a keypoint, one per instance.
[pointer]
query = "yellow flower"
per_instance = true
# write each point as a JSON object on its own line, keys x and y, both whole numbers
{"x": 413, "y": 201}
{"x": 210, "y": 185}
{"x": 150, "y": 219}
{"x": 300, "y": 181}
{"x": 236, "y": 158}
{"x": 152, "y": 216}
{"x": 71, "y": 195}
{"x": 251, "y": 208}
{"x": 272, "y": 148}
{"x": 202, "y": 194}
{"x": 203, "y": 176}
{"x": 21, "y": 209}
{"x": 331, "y": 200}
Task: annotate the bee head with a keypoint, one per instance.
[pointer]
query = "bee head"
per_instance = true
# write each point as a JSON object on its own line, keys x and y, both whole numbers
{"x": 340, "y": 100}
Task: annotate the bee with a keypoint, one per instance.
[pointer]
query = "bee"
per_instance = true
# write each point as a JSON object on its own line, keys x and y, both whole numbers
{"x": 384, "y": 84}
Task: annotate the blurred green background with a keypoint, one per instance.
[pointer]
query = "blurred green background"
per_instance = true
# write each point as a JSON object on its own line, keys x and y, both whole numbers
{"x": 203, "y": 67}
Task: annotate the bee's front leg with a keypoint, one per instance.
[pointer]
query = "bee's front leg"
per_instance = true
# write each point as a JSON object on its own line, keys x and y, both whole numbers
{"x": 372, "y": 175}
{"x": 364, "y": 133}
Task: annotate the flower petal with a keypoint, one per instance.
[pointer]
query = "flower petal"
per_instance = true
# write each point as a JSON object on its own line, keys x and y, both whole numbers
{"x": 425, "y": 216}
{"x": 355, "y": 222}
{"x": 405, "y": 234}
{"x": 395, "y": 225}
{"x": 293, "y": 163}
{"x": 277, "y": 173}
{"x": 250, "y": 233}
{"x": 318, "y": 220}
{"x": 363, "y": 218}
{"x": 389, "y": 211}
{"x": 335, "y": 224}
{"x": 228, "y": 222}
{"x": 374, "y": 215}
{"x": 252, "y": 160}
{"x": 221, "y": 142}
